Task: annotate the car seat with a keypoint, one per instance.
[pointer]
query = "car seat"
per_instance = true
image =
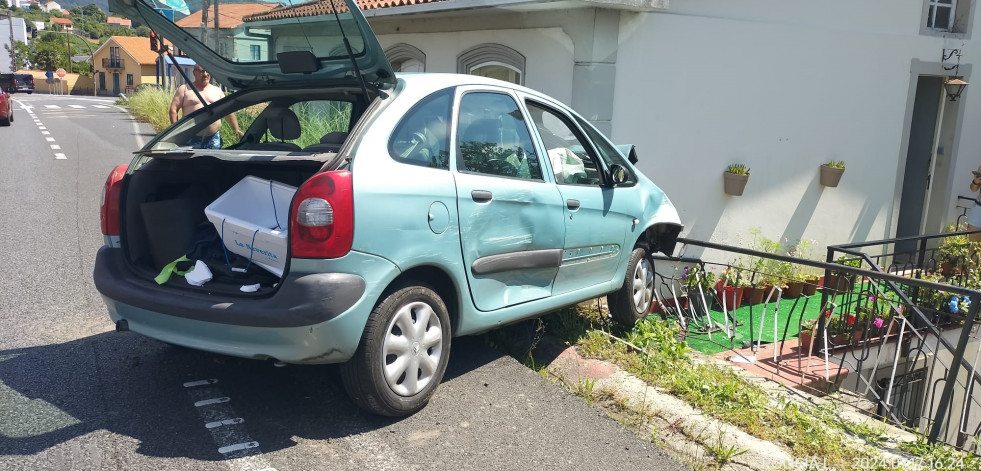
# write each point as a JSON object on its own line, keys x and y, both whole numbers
{"x": 283, "y": 125}
{"x": 331, "y": 142}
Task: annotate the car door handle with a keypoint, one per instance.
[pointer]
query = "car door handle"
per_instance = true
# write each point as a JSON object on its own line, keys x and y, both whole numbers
{"x": 481, "y": 196}
{"x": 572, "y": 204}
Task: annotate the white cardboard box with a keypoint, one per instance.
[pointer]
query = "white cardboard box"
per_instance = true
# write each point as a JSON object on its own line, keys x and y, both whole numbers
{"x": 253, "y": 220}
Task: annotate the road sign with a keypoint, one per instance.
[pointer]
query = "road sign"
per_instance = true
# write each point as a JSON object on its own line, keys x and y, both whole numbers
{"x": 60, "y": 73}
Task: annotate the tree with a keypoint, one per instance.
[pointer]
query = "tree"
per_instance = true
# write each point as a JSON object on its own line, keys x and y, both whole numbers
{"x": 4, "y": 4}
{"x": 24, "y": 55}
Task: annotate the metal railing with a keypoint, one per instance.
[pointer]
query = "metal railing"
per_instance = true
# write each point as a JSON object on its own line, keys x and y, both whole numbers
{"x": 877, "y": 323}
{"x": 112, "y": 63}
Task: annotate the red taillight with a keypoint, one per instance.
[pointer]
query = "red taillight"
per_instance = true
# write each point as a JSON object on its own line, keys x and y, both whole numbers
{"x": 323, "y": 217}
{"x": 109, "y": 206}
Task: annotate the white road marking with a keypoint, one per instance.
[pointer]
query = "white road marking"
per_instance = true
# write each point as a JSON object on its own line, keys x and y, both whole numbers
{"x": 103, "y": 107}
{"x": 46, "y": 132}
{"x": 203, "y": 382}
{"x": 50, "y": 139}
{"x": 219, "y": 423}
{"x": 208, "y": 402}
{"x": 55, "y": 147}
{"x": 227, "y": 429}
{"x": 76, "y": 106}
{"x": 41, "y": 127}
{"x": 238, "y": 446}
{"x": 52, "y": 106}
{"x": 60, "y": 156}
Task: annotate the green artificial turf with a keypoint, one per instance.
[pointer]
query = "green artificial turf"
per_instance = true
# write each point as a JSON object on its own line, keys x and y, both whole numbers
{"x": 749, "y": 317}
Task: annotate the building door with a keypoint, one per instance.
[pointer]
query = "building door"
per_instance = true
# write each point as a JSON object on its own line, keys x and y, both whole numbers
{"x": 919, "y": 159}
{"x": 115, "y": 83}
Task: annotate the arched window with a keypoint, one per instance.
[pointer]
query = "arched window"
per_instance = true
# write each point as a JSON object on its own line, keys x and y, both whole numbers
{"x": 493, "y": 60}
{"x": 406, "y": 58}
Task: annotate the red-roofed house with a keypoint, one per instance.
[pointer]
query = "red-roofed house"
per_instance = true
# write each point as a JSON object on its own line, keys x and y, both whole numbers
{"x": 123, "y": 62}
{"x": 64, "y": 24}
{"x": 232, "y": 35}
{"x": 117, "y": 21}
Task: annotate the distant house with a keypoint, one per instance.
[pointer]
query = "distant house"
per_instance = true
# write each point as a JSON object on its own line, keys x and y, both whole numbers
{"x": 122, "y": 63}
{"x": 233, "y": 41}
{"x": 51, "y": 6}
{"x": 64, "y": 23}
{"x": 120, "y": 22}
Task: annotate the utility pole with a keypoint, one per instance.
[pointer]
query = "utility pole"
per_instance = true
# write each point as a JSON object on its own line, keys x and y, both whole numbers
{"x": 68, "y": 41}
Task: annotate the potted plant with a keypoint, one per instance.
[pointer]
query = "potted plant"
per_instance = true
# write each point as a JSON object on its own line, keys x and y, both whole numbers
{"x": 735, "y": 179}
{"x": 831, "y": 172}
{"x": 807, "y": 334}
{"x": 840, "y": 281}
{"x": 728, "y": 288}
{"x": 953, "y": 253}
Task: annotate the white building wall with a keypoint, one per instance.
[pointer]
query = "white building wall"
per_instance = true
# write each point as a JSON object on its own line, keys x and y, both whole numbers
{"x": 781, "y": 87}
{"x": 19, "y": 33}
{"x": 548, "y": 53}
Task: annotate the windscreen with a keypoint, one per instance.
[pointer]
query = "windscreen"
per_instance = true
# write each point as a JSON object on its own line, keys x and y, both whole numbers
{"x": 253, "y": 32}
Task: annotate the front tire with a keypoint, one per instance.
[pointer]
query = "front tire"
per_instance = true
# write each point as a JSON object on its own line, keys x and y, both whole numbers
{"x": 632, "y": 301}
{"x": 402, "y": 355}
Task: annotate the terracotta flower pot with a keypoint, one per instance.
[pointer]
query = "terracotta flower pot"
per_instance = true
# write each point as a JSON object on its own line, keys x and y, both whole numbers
{"x": 830, "y": 176}
{"x": 734, "y": 184}
{"x": 805, "y": 340}
{"x": 810, "y": 287}
{"x": 793, "y": 290}
{"x": 732, "y": 296}
{"x": 753, "y": 296}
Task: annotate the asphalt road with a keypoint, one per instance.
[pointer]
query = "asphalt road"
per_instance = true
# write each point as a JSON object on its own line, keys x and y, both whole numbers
{"x": 75, "y": 394}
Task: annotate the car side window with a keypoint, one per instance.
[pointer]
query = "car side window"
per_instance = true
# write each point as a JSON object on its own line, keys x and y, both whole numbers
{"x": 421, "y": 137}
{"x": 571, "y": 159}
{"x": 493, "y": 138}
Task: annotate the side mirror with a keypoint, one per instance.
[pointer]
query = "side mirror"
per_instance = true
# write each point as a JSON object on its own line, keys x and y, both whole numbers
{"x": 618, "y": 174}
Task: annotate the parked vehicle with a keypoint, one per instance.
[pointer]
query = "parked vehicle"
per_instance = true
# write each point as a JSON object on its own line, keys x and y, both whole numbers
{"x": 6, "y": 106}
{"x": 424, "y": 206}
{"x": 24, "y": 83}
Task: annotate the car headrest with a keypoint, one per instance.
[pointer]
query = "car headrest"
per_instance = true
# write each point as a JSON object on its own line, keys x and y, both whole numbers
{"x": 283, "y": 125}
{"x": 336, "y": 137}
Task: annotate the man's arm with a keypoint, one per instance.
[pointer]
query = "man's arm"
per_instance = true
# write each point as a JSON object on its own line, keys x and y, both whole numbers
{"x": 233, "y": 121}
{"x": 176, "y": 103}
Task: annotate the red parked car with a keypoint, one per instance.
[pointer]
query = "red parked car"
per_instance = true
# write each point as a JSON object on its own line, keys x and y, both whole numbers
{"x": 6, "y": 109}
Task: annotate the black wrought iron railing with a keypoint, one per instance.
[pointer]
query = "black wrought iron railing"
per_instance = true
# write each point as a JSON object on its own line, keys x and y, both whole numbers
{"x": 876, "y": 323}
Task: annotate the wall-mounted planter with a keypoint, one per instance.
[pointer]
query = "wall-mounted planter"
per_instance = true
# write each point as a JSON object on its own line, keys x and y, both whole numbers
{"x": 734, "y": 183}
{"x": 830, "y": 176}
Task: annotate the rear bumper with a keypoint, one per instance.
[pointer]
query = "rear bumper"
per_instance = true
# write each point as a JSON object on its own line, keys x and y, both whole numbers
{"x": 313, "y": 318}
{"x": 304, "y": 299}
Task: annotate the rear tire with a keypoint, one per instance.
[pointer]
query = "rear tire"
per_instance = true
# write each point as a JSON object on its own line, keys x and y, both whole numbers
{"x": 403, "y": 353}
{"x": 632, "y": 301}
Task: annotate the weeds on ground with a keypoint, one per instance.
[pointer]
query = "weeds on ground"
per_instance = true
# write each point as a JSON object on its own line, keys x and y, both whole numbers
{"x": 938, "y": 456}
{"x": 718, "y": 392}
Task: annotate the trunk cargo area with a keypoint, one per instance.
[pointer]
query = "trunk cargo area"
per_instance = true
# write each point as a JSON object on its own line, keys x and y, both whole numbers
{"x": 163, "y": 218}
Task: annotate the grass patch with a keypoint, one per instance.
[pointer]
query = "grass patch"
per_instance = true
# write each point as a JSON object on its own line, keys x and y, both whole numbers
{"x": 150, "y": 105}
{"x": 317, "y": 118}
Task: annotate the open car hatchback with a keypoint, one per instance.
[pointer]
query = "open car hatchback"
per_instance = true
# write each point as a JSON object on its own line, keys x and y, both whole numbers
{"x": 366, "y": 218}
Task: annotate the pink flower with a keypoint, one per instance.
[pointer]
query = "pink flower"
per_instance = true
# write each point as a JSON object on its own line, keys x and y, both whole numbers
{"x": 877, "y": 322}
